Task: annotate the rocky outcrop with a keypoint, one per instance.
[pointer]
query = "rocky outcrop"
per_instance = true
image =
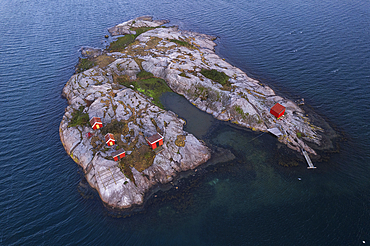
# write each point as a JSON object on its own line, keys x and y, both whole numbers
{"x": 180, "y": 58}
{"x": 94, "y": 91}
{"x": 143, "y": 21}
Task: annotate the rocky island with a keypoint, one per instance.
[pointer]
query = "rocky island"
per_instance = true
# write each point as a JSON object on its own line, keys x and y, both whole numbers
{"x": 122, "y": 84}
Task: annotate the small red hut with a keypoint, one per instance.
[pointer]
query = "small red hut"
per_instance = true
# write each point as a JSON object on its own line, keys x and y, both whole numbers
{"x": 277, "y": 110}
{"x": 109, "y": 139}
{"x": 119, "y": 154}
{"x": 95, "y": 123}
{"x": 155, "y": 141}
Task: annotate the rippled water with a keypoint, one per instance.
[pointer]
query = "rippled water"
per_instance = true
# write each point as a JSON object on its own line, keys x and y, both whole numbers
{"x": 319, "y": 50}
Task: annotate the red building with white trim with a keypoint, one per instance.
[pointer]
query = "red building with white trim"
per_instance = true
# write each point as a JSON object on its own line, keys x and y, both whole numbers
{"x": 119, "y": 154}
{"x": 155, "y": 141}
{"x": 95, "y": 123}
{"x": 109, "y": 139}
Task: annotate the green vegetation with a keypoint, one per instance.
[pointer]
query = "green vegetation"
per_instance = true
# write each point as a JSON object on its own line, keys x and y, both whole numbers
{"x": 126, "y": 170}
{"x": 103, "y": 60}
{"x": 84, "y": 64}
{"x": 122, "y": 80}
{"x": 121, "y": 43}
{"x": 240, "y": 111}
{"x": 114, "y": 127}
{"x": 87, "y": 63}
{"x": 147, "y": 84}
{"x": 182, "y": 43}
{"x": 154, "y": 88}
{"x": 184, "y": 75}
{"x": 140, "y": 30}
{"x": 216, "y": 76}
{"x": 140, "y": 158}
{"x": 79, "y": 118}
{"x": 144, "y": 75}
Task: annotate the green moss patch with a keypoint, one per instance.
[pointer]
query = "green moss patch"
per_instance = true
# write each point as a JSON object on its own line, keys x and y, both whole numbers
{"x": 87, "y": 63}
{"x": 147, "y": 84}
{"x": 144, "y": 75}
{"x": 84, "y": 64}
{"x": 154, "y": 88}
{"x": 182, "y": 43}
{"x": 114, "y": 127}
{"x": 216, "y": 76}
{"x": 121, "y": 43}
{"x": 240, "y": 111}
{"x": 79, "y": 118}
{"x": 300, "y": 134}
{"x": 140, "y": 30}
{"x": 140, "y": 158}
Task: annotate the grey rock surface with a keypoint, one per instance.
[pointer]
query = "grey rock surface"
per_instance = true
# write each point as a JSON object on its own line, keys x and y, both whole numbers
{"x": 178, "y": 57}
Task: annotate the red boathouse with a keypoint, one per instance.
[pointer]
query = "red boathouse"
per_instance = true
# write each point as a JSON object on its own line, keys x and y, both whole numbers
{"x": 109, "y": 139}
{"x": 95, "y": 123}
{"x": 277, "y": 110}
{"x": 155, "y": 141}
{"x": 119, "y": 154}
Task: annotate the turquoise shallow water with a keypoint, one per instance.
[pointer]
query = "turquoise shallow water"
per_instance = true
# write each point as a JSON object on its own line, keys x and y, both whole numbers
{"x": 318, "y": 50}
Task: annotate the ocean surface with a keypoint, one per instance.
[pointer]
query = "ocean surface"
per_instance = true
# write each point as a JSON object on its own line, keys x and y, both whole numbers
{"x": 318, "y": 50}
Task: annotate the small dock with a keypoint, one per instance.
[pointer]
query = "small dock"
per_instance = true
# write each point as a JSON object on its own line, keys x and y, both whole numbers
{"x": 309, "y": 162}
{"x": 108, "y": 176}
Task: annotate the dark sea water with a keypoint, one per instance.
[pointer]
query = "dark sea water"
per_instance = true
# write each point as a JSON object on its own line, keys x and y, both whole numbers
{"x": 319, "y": 50}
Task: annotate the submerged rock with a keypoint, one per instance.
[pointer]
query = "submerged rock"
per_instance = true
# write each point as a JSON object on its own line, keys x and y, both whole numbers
{"x": 188, "y": 64}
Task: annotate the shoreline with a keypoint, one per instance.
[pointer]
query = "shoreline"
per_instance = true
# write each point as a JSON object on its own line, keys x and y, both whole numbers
{"x": 122, "y": 85}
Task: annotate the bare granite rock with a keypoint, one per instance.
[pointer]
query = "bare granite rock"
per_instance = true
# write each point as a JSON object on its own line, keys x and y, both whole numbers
{"x": 124, "y": 105}
{"x": 178, "y": 57}
{"x": 244, "y": 101}
{"x": 143, "y": 21}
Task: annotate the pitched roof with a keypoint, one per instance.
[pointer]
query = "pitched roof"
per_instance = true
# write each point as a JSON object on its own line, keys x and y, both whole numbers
{"x": 95, "y": 120}
{"x": 109, "y": 136}
{"x": 155, "y": 138}
{"x": 278, "y": 108}
{"x": 117, "y": 152}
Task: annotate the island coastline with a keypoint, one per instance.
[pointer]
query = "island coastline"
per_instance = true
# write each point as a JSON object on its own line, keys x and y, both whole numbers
{"x": 182, "y": 60}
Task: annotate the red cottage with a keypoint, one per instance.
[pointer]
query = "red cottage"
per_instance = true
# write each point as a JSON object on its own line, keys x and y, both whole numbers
{"x": 109, "y": 139}
{"x": 277, "y": 110}
{"x": 155, "y": 141}
{"x": 118, "y": 155}
{"x": 95, "y": 123}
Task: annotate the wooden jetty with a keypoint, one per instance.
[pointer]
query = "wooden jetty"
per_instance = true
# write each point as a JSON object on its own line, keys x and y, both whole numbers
{"x": 309, "y": 162}
{"x": 109, "y": 177}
